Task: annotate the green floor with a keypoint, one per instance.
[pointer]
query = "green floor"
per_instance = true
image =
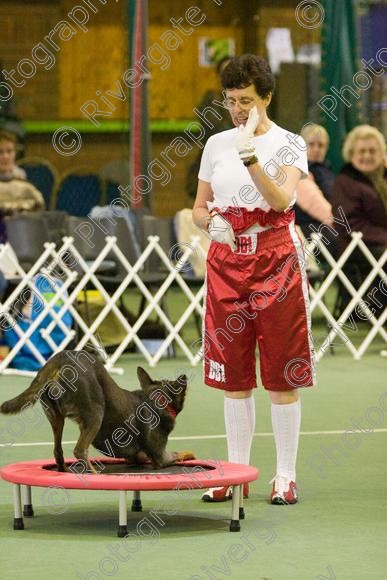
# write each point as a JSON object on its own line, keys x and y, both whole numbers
{"x": 337, "y": 531}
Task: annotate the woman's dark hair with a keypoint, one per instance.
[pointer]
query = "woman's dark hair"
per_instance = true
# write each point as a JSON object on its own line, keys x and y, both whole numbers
{"x": 221, "y": 62}
{"x": 248, "y": 69}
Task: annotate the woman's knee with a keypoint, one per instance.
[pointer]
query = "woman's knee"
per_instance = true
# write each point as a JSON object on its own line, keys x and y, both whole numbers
{"x": 238, "y": 394}
{"x": 284, "y": 397}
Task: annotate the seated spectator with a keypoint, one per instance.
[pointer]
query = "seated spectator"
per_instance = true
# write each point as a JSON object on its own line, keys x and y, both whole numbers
{"x": 361, "y": 191}
{"x": 16, "y": 193}
{"x": 313, "y": 206}
{"x": 361, "y": 188}
{"x": 8, "y": 167}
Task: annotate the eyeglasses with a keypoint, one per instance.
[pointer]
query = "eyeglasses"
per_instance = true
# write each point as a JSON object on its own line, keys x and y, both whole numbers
{"x": 243, "y": 102}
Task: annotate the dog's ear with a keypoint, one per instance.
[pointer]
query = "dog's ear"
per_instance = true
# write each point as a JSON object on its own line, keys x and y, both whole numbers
{"x": 144, "y": 378}
{"x": 182, "y": 381}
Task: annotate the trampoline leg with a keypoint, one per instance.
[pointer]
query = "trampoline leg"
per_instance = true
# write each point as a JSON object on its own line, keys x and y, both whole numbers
{"x": 122, "y": 515}
{"x": 136, "y": 503}
{"x": 234, "y": 524}
{"x": 28, "y": 511}
{"x": 18, "y": 519}
{"x": 241, "y": 509}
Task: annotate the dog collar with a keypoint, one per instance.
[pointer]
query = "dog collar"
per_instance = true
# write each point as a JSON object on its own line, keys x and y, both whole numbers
{"x": 170, "y": 410}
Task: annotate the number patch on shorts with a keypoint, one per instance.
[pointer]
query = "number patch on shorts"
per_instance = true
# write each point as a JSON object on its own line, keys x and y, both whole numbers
{"x": 217, "y": 372}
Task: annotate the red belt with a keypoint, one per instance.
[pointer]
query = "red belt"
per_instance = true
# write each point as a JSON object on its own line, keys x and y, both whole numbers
{"x": 241, "y": 218}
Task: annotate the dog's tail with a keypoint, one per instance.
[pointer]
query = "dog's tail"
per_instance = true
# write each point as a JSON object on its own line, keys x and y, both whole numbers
{"x": 31, "y": 394}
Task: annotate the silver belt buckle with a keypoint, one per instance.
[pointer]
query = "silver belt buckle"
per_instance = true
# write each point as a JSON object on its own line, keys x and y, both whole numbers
{"x": 247, "y": 244}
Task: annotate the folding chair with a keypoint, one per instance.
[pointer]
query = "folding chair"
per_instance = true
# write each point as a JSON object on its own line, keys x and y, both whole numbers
{"x": 110, "y": 192}
{"x": 27, "y": 235}
{"x": 91, "y": 247}
{"x": 162, "y": 227}
{"x": 77, "y": 192}
{"x": 116, "y": 171}
{"x": 152, "y": 278}
{"x": 56, "y": 221}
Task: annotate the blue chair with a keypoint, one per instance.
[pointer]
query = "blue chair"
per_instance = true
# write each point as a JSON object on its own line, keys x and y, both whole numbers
{"x": 42, "y": 174}
{"x": 78, "y": 192}
{"x": 111, "y": 192}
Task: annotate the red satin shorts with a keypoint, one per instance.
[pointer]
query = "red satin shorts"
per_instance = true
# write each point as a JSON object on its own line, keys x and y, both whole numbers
{"x": 258, "y": 295}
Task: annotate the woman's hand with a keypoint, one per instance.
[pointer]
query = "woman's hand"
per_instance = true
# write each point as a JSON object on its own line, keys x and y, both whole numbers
{"x": 244, "y": 139}
{"x": 221, "y": 231}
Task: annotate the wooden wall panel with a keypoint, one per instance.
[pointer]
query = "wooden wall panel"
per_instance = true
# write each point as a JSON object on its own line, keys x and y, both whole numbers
{"x": 22, "y": 27}
{"x": 227, "y": 13}
{"x": 96, "y": 60}
{"x": 169, "y": 199}
{"x": 175, "y": 91}
{"x": 92, "y": 62}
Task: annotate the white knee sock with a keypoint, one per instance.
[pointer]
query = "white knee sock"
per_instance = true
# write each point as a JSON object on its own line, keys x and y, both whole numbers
{"x": 286, "y": 420}
{"x": 239, "y": 417}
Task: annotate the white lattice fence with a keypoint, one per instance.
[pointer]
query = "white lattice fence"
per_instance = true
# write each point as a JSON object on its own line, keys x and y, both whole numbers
{"x": 361, "y": 297}
{"x": 86, "y": 277}
{"x": 73, "y": 282}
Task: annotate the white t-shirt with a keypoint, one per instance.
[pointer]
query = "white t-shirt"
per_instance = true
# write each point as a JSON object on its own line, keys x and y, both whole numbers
{"x": 230, "y": 179}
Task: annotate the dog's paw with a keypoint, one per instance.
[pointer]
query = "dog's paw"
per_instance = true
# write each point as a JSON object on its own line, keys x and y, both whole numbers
{"x": 63, "y": 468}
{"x": 184, "y": 455}
{"x": 141, "y": 458}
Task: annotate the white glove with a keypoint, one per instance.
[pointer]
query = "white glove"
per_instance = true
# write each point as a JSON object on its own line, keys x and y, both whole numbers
{"x": 221, "y": 231}
{"x": 244, "y": 139}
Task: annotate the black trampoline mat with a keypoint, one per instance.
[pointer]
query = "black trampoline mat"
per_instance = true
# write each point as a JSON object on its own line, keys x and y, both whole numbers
{"x": 145, "y": 469}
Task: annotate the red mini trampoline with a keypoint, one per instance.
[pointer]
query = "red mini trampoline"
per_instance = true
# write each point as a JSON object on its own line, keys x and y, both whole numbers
{"x": 115, "y": 474}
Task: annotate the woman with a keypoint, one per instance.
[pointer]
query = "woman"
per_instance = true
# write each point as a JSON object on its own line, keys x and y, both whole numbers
{"x": 361, "y": 188}
{"x": 256, "y": 285}
{"x": 8, "y": 150}
{"x": 361, "y": 191}
{"x": 16, "y": 193}
{"x": 314, "y": 194}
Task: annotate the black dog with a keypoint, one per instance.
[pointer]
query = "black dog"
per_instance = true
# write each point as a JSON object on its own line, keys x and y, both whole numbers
{"x": 134, "y": 425}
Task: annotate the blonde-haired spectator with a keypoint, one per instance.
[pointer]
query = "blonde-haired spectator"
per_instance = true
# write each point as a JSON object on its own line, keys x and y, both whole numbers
{"x": 363, "y": 132}
{"x": 361, "y": 192}
{"x": 361, "y": 187}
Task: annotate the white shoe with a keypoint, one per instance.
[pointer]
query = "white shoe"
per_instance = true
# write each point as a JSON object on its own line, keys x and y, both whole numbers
{"x": 223, "y": 493}
{"x": 217, "y": 494}
{"x": 284, "y": 491}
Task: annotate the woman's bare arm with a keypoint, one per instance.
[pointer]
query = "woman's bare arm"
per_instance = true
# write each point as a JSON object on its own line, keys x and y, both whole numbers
{"x": 200, "y": 213}
{"x": 277, "y": 196}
